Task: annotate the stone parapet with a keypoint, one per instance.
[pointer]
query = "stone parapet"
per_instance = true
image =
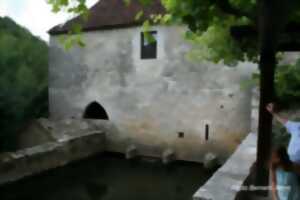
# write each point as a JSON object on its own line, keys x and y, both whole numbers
{"x": 228, "y": 181}
{"x": 31, "y": 161}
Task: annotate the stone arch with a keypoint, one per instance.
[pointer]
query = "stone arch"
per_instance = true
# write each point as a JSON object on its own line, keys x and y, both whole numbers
{"x": 94, "y": 110}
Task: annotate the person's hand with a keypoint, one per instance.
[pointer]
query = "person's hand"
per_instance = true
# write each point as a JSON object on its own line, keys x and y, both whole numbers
{"x": 270, "y": 107}
{"x": 274, "y": 197}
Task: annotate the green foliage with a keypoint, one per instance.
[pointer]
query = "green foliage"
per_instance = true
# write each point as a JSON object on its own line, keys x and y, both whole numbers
{"x": 288, "y": 83}
{"x": 250, "y": 83}
{"x": 23, "y": 80}
{"x": 208, "y": 21}
{"x": 280, "y": 135}
{"x": 139, "y": 15}
{"x": 212, "y": 43}
{"x": 210, "y": 25}
{"x": 78, "y": 6}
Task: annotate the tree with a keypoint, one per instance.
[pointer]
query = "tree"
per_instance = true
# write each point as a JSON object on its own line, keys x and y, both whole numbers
{"x": 216, "y": 33}
{"x": 23, "y": 80}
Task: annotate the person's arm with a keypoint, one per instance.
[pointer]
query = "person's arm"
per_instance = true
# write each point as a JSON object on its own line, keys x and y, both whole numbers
{"x": 274, "y": 183}
{"x": 270, "y": 108}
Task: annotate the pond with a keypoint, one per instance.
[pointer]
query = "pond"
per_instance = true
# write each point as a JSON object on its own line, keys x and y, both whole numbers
{"x": 111, "y": 177}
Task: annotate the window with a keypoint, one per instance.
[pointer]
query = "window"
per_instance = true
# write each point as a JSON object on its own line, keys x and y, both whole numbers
{"x": 181, "y": 134}
{"x": 149, "y": 48}
{"x": 206, "y": 132}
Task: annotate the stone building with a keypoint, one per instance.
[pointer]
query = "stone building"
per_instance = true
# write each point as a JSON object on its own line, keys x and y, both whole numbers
{"x": 155, "y": 98}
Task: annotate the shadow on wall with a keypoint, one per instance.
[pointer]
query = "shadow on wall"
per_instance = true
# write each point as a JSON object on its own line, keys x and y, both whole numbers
{"x": 95, "y": 111}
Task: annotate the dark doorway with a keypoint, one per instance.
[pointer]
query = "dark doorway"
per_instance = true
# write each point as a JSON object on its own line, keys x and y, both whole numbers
{"x": 95, "y": 111}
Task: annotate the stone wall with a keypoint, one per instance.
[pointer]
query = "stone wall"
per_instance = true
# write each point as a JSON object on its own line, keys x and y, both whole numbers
{"x": 155, "y": 104}
{"x": 231, "y": 181}
{"x": 34, "y": 160}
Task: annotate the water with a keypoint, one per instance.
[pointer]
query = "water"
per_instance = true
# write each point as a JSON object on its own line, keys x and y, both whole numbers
{"x": 111, "y": 177}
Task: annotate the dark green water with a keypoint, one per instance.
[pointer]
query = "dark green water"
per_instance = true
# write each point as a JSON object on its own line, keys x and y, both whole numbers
{"x": 110, "y": 177}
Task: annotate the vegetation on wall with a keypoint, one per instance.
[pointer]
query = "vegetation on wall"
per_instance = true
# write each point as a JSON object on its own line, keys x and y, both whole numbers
{"x": 23, "y": 80}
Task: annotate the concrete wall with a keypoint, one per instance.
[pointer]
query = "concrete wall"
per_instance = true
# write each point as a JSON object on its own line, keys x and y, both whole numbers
{"x": 150, "y": 101}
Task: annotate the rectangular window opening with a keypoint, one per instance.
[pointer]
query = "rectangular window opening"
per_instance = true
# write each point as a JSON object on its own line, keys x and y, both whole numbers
{"x": 149, "y": 45}
{"x": 180, "y": 134}
{"x": 206, "y": 132}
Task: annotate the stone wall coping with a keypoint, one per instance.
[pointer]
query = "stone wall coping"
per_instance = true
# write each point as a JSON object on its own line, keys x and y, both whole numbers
{"x": 228, "y": 180}
{"x": 46, "y": 147}
{"x": 35, "y": 160}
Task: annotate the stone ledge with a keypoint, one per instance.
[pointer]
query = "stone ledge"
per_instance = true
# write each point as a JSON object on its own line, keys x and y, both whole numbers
{"x": 225, "y": 184}
{"x": 34, "y": 160}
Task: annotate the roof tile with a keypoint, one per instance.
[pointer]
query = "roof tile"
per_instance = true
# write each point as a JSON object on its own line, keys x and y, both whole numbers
{"x": 108, "y": 14}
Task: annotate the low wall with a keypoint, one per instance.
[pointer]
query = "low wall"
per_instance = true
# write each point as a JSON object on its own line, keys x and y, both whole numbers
{"x": 228, "y": 181}
{"x": 34, "y": 160}
{"x": 117, "y": 141}
{"x": 52, "y": 143}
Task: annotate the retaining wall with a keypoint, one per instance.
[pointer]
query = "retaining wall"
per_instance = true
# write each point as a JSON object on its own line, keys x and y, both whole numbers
{"x": 229, "y": 180}
{"x": 34, "y": 160}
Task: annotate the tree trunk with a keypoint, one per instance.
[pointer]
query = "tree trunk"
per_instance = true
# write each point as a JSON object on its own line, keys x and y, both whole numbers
{"x": 268, "y": 32}
{"x": 264, "y": 143}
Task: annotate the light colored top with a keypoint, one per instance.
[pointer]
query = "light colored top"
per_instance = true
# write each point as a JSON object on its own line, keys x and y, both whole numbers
{"x": 287, "y": 185}
{"x": 294, "y": 145}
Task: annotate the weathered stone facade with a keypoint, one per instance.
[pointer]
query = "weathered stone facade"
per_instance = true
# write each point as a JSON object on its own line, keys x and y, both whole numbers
{"x": 154, "y": 104}
{"x": 234, "y": 180}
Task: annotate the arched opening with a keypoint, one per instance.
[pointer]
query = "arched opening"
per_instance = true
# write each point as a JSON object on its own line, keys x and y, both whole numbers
{"x": 95, "y": 111}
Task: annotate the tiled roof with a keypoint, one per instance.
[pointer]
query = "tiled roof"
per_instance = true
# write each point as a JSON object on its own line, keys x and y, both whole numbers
{"x": 107, "y": 14}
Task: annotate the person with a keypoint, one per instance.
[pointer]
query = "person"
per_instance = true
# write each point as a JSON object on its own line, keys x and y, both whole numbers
{"x": 285, "y": 169}
{"x": 293, "y": 129}
{"x": 285, "y": 185}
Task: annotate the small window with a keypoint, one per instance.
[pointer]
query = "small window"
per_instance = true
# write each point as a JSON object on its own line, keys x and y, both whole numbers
{"x": 181, "y": 134}
{"x": 206, "y": 132}
{"x": 149, "y": 48}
